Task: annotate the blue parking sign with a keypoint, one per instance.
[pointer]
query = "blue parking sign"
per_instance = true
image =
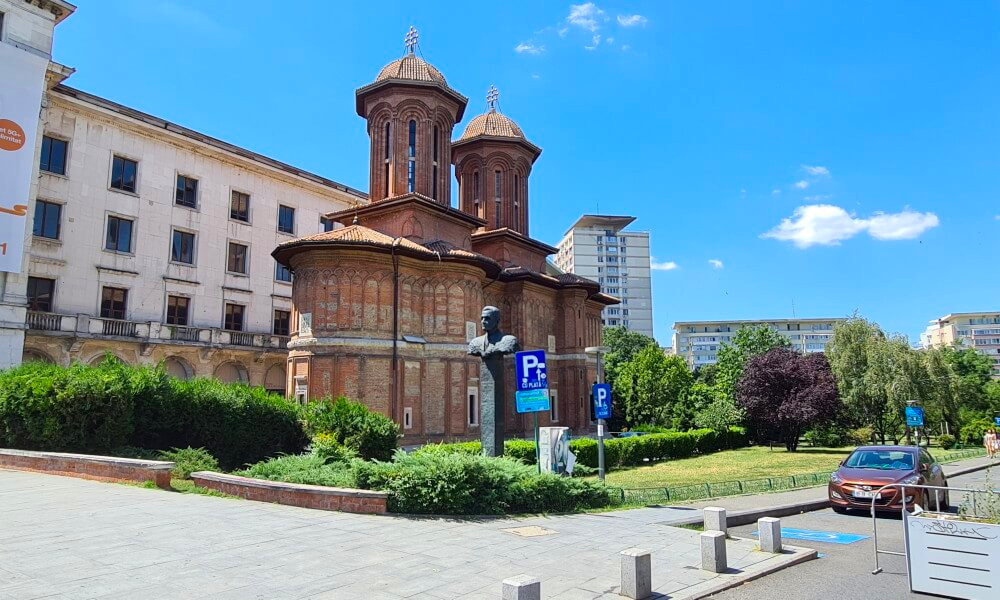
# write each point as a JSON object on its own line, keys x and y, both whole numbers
{"x": 914, "y": 416}
{"x": 997, "y": 421}
{"x": 532, "y": 394}
{"x": 602, "y": 400}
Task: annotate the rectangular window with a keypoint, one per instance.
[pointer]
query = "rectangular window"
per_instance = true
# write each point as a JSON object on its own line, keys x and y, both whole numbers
{"x": 326, "y": 224}
{"x": 473, "y": 406}
{"x": 187, "y": 191}
{"x": 434, "y": 175}
{"x": 40, "y": 292}
{"x": 282, "y": 273}
{"x": 123, "y": 172}
{"x": 113, "y": 301}
{"x": 286, "y": 219}
{"x": 182, "y": 247}
{"x": 47, "y": 217}
{"x": 282, "y": 322}
{"x": 239, "y": 207}
{"x": 177, "y": 310}
{"x": 234, "y": 317}
{"x": 554, "y": 406}
{"x": 237, "y": 259}
{"x": 497, "y": 189}
{"x": 53, "y": 157}
{"x": 119, "y": 238}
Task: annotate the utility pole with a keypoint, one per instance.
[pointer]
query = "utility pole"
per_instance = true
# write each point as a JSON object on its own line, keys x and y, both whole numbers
{"x": 598, "y": 351}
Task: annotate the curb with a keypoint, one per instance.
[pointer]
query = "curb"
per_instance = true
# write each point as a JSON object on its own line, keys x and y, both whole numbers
{"x": 800, "y": 556}
{"x": 746, "y": 517}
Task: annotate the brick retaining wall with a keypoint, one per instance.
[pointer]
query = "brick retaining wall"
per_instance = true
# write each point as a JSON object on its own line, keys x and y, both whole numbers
{"x": 295, "y": 494}
{"x": 86, "y": 466}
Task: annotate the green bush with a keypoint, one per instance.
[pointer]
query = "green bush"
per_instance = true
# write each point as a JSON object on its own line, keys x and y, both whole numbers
{"x": 304, "y": 468}
{"x": 373, "y": 435}
{"x": 946, "y": 441}
{"x": 861, "y": 436}
{"x": 189, "y": 460}
{"x": 829, "y": 436}
{"x": 101, "y": 408}
{"x": 522, "y": 450}
{"x": 972, "y": 432}
{"x": 326, "y": 446}
{"x": 461, "y": 483}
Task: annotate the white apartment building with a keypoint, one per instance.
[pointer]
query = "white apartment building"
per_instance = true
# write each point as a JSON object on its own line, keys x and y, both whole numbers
{"x": 979, "y": 330}
{"x": 699, "y": 341}
{"x": 152, "y": 241}
{"x": 596, "y": 247}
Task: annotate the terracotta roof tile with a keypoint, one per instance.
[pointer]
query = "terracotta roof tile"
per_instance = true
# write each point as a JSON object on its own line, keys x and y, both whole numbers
{"x": 360, "y": 234}
{"x": 411, "y": 67}
{"x": 492, "y": 124}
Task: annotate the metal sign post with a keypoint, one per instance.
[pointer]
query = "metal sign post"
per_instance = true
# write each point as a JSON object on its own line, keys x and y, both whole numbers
{"x": 532, "y": 392}
{"x": 601, "y": 397}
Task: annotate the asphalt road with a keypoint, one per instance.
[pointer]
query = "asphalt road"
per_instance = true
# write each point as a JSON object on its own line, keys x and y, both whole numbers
{"x": 844, "y": 571}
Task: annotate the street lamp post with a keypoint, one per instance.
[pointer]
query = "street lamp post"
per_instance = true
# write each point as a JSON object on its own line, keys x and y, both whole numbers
{"x": 598, "y": 351}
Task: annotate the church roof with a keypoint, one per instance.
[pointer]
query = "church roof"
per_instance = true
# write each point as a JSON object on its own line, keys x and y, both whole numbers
{"x": 493, "y": 124}
{"x": 411, "y": 67}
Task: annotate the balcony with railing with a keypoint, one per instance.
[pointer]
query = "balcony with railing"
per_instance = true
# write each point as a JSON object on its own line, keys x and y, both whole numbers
{"x": 85, "y": 326}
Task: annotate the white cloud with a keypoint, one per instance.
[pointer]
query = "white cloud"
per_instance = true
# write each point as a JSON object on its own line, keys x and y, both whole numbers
{"x": 997, "y": 217}
{"x": 586, "y": 16}
{"x": 776, "y": 192}
{"x": 526, "y": 48}
{"x": 536, "y": 76}
{"x": 594, "y": 42}
{"x": 818, "y": 197}
{"x": 661, "y": 266}
{"x": 632, "y": 20}
{"x": 626, "y": 47}
{"x": 803, "y": 184}
{"x": 562, "y": 31}
{"x": 828, "y": 225}
{"x": 716, "y": 263}
{"x": 609, "y": 41}
{"x": 816, "y": 171}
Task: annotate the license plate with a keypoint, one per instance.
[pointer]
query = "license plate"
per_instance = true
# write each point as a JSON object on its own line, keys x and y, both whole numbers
{"x": 863, "y": 494}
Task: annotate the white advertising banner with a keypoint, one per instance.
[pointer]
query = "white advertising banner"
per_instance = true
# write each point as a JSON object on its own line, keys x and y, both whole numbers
{"x": 22, "y": 76}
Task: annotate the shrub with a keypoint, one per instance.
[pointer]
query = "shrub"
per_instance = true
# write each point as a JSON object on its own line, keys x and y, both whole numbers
{"x": 829, "y": 436}
{"x": 373, "y": 435}
{"x": 521, "y": 450}
{"x": 972, "y": 432}
{"x": 861, "y": 436}
{"x": 189, "y": 460}
{"x": 946, "y": 441}
{"x": 461, "y": 483}
{"x": 304, "y": 468}
{"x": 456, "y": 448}
{"x": 326, "y": 446}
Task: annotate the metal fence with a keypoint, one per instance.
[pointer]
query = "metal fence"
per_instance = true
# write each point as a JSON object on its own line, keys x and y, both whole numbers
{"x": 700, "y": 491}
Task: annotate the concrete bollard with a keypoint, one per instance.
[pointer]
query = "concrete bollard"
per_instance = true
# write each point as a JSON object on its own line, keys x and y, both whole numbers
{"x": 769, "y": 534}
{"x": 637, "y": 574}
{"x": 522, "y": 587}
{"x": 713, "y": 551}
{"x": 715, "y": 519}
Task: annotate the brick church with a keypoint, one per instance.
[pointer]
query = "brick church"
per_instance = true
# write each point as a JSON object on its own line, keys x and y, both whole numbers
{"x": 384, "y": 306}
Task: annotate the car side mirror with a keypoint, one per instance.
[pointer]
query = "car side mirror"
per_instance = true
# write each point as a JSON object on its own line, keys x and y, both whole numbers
{"x": 925, "y": 466}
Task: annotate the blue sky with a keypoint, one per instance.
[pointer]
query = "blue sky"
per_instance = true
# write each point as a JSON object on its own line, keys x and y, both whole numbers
{"x": 829, "y": 156}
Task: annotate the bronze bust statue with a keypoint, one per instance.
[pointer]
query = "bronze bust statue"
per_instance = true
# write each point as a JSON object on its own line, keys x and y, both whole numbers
{"x": 491, "y": 348}
{"x": 493, "y": 342}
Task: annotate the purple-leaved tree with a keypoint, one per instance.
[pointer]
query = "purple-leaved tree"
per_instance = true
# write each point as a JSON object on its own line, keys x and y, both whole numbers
{"x": 784, "y": 393}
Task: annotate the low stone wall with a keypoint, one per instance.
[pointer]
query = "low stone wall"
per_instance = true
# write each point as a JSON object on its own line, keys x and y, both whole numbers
{"x": 295, "y": 494}
{"x": 86, "y": 466}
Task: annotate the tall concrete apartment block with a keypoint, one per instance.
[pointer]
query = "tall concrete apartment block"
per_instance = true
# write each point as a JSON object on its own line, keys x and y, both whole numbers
{"x": 699, "y": 341}
{"x": 595, "y": 247}
{"x": 979, "y": 330}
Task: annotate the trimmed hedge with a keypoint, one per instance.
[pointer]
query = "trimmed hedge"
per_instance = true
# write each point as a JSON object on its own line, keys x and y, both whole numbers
{"x": 112, "y": 405}
{"x": 618, "y": 452}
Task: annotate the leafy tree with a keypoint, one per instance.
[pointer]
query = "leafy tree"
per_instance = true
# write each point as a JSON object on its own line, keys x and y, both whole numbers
{"x": 706, "y": 373}
{"x": 747, "y": 343}
{"x": 973, "y": 371}
{"x": 993, "y": 397}
{"x": 721, "y": 414}
{"x": 861, "y": 371}
{"x": 698, "y": 398}
{"x": 624, "y": 346}
{"x": 784, "y": 393}
{"x": 650, "y": 385}
{"x": 942, "y": 388}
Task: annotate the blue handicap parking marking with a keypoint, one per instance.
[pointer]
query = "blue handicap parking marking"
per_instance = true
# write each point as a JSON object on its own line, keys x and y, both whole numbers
{"x": 830, "y": 537}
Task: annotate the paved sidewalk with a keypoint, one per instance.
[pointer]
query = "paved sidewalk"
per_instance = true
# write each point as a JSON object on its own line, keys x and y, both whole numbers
{"x": 66, "y": 538}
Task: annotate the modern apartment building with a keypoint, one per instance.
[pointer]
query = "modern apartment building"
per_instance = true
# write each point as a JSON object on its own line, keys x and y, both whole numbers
{"x": 699, "y": 341}
{"x": 153, "y": 242}
{"x": 596, "y": 247}
{"x": 979, "y": 330}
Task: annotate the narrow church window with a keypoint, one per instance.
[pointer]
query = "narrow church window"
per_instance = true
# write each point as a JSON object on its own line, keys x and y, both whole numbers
{"x": 411, "y": 174}
{"x": 497, "y": 187}
{"x": 475, "y": 194}
{"x": 434, "y": 182}
{"x": 387, "y": 159}
{"x": 517, "y": 202}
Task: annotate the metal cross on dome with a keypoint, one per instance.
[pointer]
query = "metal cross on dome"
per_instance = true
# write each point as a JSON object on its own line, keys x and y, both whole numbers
{"x": 410, "y": 40}
{"x": 492, "y": 97}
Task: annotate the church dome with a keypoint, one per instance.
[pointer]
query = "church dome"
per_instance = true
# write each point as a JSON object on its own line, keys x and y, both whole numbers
{"x": 413, "y": 68}
{"x": 492, "y": 124}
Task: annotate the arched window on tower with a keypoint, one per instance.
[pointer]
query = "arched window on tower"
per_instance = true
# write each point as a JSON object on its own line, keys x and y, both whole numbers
{"x": 517, "y": 202}
{"x": 434, "y": 181}
{"x": 411, "y": 173}
{"x": 498, "y": 188}
{"x": 475, "y": 195}
{"x": 387, "y": 158}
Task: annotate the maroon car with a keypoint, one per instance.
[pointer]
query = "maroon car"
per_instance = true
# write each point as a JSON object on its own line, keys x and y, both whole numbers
{"x": 868, "y": 468}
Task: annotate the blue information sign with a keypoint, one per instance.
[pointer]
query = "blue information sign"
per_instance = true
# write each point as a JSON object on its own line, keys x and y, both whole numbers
{"x": 532, "y": 394}
{"x": 914, "y": 416}
{"x": 602, "y": 400}
{"x": 997, "y": 421}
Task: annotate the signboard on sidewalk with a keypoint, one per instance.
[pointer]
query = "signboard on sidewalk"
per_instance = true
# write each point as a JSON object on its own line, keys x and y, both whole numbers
{"x": 602, "y": 400}
{"x": 532, "y": 392}
{"x": 914, "y": 416}
{"x": 22, "y": 75}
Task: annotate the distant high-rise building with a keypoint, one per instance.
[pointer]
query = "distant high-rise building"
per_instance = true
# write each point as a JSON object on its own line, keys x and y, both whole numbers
{"x": 595, "y": 247}
{"x": 979, "y": 330}
{"x": 699, "y": 341}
